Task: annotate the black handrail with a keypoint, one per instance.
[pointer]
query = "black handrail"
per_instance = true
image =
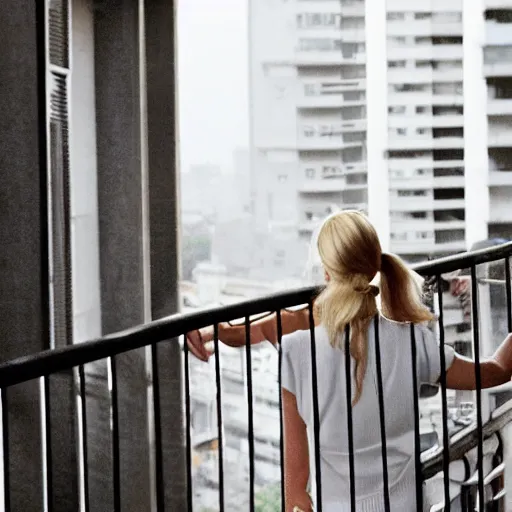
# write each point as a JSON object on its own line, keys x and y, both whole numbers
{"x": 467, "y": 439}
{"x": 109, "y": 347}
{"x": 52, "y": 361}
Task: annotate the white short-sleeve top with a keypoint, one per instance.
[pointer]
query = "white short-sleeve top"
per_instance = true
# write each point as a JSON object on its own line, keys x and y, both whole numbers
{"x": 396, "y": 363}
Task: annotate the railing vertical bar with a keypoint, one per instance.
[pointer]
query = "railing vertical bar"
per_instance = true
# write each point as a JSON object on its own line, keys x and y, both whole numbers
{"x": 157, "y": 425}
{"x": 444, "y": 398}
{"x": 248, "y": 364}
{"x": 6, "y": 451}
{"x": 417, "y": 446}
{"x": 316, "y": 411}
{"x": 220, "y": 434}
{"x": 188, "y": 435}
{"x": 48, "y": 443}
{"x": 83, "y": 409}
{"x": 478, "y": 379}
{"x": 508, "y": 288}
{"x": 350, "y": 425}
{"x": 382, "y": 415}
{"x": 281, "y": 423}
{"x": 116, "y": 469}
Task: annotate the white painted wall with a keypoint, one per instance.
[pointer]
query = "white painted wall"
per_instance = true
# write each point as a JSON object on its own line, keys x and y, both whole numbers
{"x": 84, "y": 202}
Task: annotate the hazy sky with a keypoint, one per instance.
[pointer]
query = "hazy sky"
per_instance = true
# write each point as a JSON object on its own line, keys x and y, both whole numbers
{"x": 212, "y": 80}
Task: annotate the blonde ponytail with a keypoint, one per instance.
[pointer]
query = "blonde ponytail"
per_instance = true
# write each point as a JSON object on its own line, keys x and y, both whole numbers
{"x": 400, "y": 290}
{"x": 351, "y": 254}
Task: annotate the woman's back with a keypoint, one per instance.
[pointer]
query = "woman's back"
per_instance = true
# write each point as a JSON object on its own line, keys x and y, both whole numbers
{"x": 396, "y": 363}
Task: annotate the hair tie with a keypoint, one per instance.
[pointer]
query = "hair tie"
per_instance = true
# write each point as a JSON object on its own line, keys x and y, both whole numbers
{"x": 368, "y": 290}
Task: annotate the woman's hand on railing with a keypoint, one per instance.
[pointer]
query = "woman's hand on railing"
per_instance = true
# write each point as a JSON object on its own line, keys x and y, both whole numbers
{"x": 200, "y": 343}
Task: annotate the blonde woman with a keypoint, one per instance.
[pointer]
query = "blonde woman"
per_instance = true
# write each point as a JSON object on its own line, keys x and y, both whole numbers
{"x": 352, "y": 258}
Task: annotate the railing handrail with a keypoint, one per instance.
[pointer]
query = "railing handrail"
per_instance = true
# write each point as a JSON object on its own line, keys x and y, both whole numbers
{"x": 46, "y": 362}
{"x": 467, "y": 439}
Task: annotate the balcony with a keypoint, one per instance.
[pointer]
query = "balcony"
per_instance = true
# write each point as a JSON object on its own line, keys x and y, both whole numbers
{"x": 425, "y": 52}
{"x": 327, "y": 58}
{"x": 446, "y": 454}
{"x": 423, "y": 75}
{"x": 500, "y": 139}
{"x": 500, "y": 178}
{"x": 320, "y": 186}
{"x": 498, "y": 4}
{"x": 418, "y": 142}
{"x": 499, "y": 107}
{"x": 498, "y": 69}
{"x": 424, "y": 28}
{"x": 497, "y": 34}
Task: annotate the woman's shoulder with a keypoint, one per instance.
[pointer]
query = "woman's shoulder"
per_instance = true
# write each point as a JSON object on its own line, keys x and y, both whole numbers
{"x": 297, "y": 344}
{"x": 404, "y": 328}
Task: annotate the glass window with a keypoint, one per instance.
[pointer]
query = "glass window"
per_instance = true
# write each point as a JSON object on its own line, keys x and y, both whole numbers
{"x": 441, "y": 88}
{"x": 396, "y": 64}
{"x": 447, "y": 17}
{"x": 424, "y": 64}
{"x": 423, "y": 40}
{"x": 411, "y": 87}
{"x": 395, "y": 16}
{"x": 398, "y": 109}
{"x": 396, "y": 40}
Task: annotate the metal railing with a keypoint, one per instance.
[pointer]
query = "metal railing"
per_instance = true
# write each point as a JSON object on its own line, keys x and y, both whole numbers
{"x": 44, "y": 364}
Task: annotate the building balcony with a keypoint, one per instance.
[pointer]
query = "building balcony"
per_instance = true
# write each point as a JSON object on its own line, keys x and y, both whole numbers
{"x": 423, "y": 75}
{"x": 422, "y": 143}
{"x": 328, "y": 101}
{"x": 500, "y": 139}
{"x": 448, "y": 182}
{"x": 500, "y": 178}
{"x": 350, "y": 35}
{"x": 327, "y": 58}
{"x": 499, "y": 107}
{"x": 244, "y": 443}
{"x": 497, "y": 4}
{"x": 449, "y": 225}
{"x": 425, "y": 98}
{"x": 351, "y": 8}
{"x": 325, "y": 144}
{"x": 420, "y": 28}
{"x": 449, "y": 204}
{"x": 497, "y": 34}
{"x": 319, "y": 186}
{"x": 425, "y": 52}
{"x": 500, "y": 211}
{"x": 412, "y": 204}
{"x": 498, "y": 69}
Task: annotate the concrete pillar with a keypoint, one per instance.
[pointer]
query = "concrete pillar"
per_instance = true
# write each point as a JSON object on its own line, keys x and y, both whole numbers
{"x": 24, "y": 283}
{"x": 162, "y": 174}
{"x": 120, "y": 207}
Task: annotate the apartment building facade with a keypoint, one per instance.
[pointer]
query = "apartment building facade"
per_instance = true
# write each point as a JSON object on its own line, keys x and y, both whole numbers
{"x": 400, "y": 110}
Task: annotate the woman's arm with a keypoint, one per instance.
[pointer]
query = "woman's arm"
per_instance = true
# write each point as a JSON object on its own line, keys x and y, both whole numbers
{"x": 494, "y": 371}
{"x": 296, "y": 456}
{"x": 199, "y": 341}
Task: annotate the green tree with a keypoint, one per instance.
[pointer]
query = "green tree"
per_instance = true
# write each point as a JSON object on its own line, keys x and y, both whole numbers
{"x": 268, "y": 499}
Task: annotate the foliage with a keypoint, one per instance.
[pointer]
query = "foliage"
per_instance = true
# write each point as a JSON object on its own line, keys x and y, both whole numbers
{"x": 268, "y": 499}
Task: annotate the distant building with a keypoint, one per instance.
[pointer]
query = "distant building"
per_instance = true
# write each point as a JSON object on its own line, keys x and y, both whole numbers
{"x": 411, "y": 124}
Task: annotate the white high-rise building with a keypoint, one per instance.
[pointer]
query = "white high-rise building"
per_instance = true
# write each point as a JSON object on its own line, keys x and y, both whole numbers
{"x": 400, "y": 109}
